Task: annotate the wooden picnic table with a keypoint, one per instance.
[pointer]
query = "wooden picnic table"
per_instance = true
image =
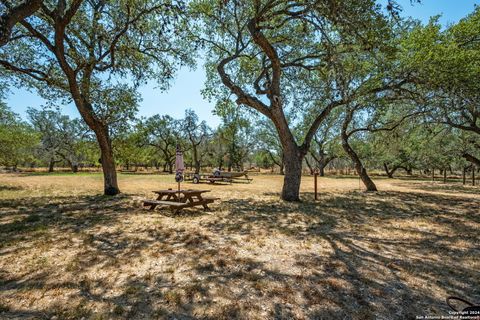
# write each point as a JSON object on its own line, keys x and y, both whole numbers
{"x": 177, "y": 200}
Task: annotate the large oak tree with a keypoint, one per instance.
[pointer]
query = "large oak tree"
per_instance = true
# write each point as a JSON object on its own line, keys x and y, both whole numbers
{"x": 94, "y": 53}
{"x": 275, "y": 55}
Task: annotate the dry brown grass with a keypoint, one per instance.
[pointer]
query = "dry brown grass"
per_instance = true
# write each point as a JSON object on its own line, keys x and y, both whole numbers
{"x": 67, "y": 252}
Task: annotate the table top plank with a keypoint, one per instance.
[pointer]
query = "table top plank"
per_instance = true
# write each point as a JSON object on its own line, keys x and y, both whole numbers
{"x": 195, "y": 191}
{"x": 163, "y": 202}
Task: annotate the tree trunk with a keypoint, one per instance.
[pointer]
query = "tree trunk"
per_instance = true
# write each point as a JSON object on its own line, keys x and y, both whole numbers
{"x": 464, "y": 176}
{"x": 471, "y": 159}
{"x": 110, "y": 184}
{"x": 196, "y": 161}
{"x": 107, "y": 161}
{"x": 322, "y": 171}
{"x": 389, "y": 173}
{"x": 433, "y": 174}
{"x": 309, "y": 166}
{"x": 73, "y": 165}
{"x": 473, "y": 175}
{"x": 293, "y": 174}
{"x": 324, "y": 163}
{"x": 444, "y": 175}
{"x": 362, "y": 172}
{"x": 51, "y": 164}
{"x": 197, "y": 167}
{"x": 282, "y": 164}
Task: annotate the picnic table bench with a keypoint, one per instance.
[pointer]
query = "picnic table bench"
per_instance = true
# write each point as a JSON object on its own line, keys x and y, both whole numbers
{"x": 177, "y": 200}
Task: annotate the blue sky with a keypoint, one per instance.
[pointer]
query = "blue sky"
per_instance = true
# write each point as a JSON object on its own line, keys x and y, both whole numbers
{"x": 185, "y": 90}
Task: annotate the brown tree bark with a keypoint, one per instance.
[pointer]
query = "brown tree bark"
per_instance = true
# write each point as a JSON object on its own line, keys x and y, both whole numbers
{"x": 196, "y": 161}
{"x": 107, "y": 160}
{"x": 473, "y": 175}
{"x": 292, "y": 155}
{"x": 15, "y": 15}
{"x": 323, "y": 164}
{"x": 388, "y": 171}
{"x": 73, "y": 166}
{"x": 474, "y": 160}
{"x": 51, "y": 164}
{"x": 362, "y": 172}
{"x": 322, "y": 161}
{"x": 293, "y": 174}
{"x": 310, "y": 167}
{"x": 407, "y": 169}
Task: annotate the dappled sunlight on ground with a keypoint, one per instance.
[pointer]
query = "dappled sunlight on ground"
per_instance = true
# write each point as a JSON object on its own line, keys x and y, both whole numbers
{"x": 68, "y": 252}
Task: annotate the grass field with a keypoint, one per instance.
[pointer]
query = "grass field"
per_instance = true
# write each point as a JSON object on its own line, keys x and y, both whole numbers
{"x": 67, "y": 252}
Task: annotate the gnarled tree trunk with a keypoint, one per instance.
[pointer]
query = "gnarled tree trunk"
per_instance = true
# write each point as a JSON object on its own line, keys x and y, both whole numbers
{"x": 73, "y": 166}
{"x": 362, "y": 172}
{"x": 310, "y": 167}
{"x": 293, "y": 174}
{"x": 51, "y": 164}
{"x": 282, "y": 164}
{"x": 390, "y": 172}
{"x": 292, "y": 157}
{"x": 107, "y": 160}
{"x": 323, "y": 164}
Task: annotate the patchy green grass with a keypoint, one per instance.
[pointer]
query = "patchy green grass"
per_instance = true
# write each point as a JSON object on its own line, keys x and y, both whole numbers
{"x": 69, "y": 253}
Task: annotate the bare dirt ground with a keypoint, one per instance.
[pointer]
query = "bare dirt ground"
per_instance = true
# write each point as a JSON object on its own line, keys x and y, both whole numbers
{"x": 68, "y": 253}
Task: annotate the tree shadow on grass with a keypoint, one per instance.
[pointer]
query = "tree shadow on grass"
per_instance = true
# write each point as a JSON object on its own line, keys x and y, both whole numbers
{"x": 368, "y": 259}
{"x": 24, "y": 219}
{"x": 10, "y": 188}
{"x": 449, "y": 187}
{"x": 409, "y": 266}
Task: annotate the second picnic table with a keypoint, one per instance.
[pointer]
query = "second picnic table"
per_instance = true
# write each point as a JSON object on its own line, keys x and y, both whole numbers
{"x": 179, "y": 199}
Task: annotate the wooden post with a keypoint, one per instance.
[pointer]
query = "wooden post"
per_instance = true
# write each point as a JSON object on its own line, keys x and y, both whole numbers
{"x": 178, "y": 190}
{"x": 315, "y": 176}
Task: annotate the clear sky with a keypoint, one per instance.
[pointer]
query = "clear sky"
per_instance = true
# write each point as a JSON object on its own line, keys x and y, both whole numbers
{"x": 185, "y": 90}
